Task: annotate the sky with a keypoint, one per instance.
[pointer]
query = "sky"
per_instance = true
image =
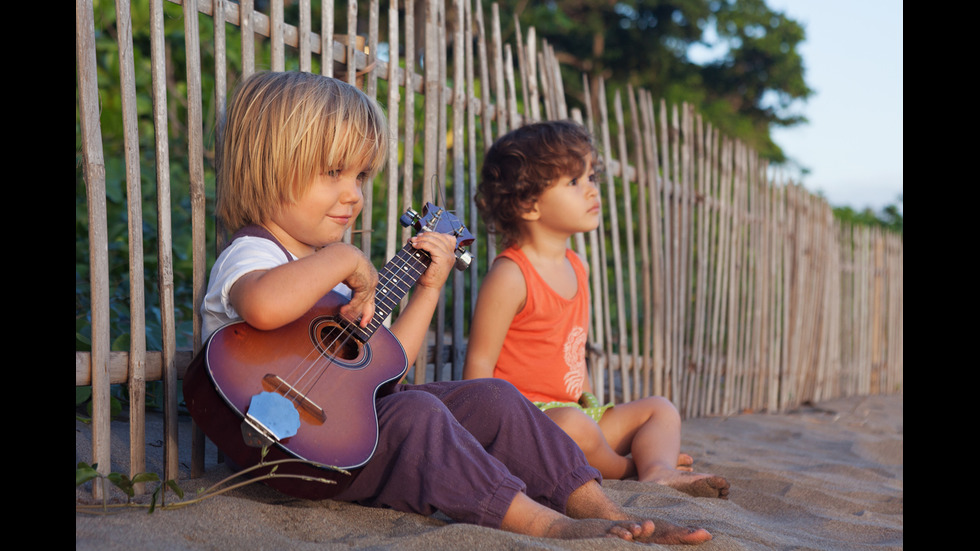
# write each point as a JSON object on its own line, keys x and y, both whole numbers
{"x": 853, "y": 61}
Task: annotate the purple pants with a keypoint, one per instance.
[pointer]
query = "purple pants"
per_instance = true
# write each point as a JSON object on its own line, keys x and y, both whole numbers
{"x": 466, "y": 448}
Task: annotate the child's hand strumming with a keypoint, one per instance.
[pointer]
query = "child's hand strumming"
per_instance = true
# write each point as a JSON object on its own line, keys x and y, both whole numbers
{"x": 362, "y": 282}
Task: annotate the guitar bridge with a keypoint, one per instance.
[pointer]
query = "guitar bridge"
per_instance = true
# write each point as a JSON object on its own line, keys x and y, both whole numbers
{"x": 271, "y": 418}
{"x": 276, "y": 383}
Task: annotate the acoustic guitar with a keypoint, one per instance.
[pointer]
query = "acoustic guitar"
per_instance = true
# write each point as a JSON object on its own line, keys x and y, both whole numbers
{"x": 307, "y": 390}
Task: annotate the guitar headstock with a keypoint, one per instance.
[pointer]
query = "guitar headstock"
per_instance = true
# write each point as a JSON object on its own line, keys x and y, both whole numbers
{"x": 438, "y": 219}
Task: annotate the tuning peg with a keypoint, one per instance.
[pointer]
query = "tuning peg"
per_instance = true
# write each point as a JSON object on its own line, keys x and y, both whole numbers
{"x": 463, "y": 259}
{"x": 409, "y": 218}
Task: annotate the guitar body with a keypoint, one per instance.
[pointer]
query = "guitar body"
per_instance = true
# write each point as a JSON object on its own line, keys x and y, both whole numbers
{"x": 338, "y": 417}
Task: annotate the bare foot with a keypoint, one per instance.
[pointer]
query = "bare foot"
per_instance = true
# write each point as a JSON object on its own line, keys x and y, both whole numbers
{"x": 685, "y": 462}
{"x": 590, "y": 502}
{"x": 668, "y": 533}
{"x": 695, "y": 484}
{"x": 629, "y": 530}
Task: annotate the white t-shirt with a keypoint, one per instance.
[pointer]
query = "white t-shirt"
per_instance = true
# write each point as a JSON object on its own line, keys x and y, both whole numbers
{"x": 243, "y": 255}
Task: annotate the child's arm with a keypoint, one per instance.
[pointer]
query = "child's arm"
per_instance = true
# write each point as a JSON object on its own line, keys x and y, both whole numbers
{"x": 412, "y": 324}
{"x": 269, "y": 299}
{"x": 502, "y": 295}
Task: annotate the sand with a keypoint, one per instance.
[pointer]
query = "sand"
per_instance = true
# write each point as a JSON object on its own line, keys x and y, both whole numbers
{"x": 827, "y": 476}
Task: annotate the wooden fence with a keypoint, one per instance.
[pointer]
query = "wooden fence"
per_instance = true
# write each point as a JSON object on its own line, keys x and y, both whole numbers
{"x": 714, "y": 283}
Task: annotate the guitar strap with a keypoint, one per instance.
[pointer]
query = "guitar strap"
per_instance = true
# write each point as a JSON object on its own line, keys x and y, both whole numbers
{"x": 256, "y": 230}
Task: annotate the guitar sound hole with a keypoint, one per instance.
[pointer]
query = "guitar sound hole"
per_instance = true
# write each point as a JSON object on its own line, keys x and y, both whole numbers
{"x": 335, "y": 341}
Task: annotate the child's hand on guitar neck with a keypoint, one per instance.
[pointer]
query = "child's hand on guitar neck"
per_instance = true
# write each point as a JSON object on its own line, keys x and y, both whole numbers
{"x": 442, "y": 249}
{"x": 362, "y": 281}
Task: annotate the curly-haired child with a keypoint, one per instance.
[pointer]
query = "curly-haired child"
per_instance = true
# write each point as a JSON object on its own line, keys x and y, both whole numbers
{"x": 531, "y": 319}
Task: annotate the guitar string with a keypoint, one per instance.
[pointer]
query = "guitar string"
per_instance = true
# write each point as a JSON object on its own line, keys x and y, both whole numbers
{"x": 298, "y": 393}
{"x": 408, "y": 252}
{"x": 377, "y": 321}
{"x": 321, "y": 362}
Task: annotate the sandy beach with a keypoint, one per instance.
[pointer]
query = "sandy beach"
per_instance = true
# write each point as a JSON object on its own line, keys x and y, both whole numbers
{"x": 827, "y": 476}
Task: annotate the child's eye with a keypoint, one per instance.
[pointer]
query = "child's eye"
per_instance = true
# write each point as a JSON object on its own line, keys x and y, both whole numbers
{"x": 362, "y": 177}
{"x": 333, "y": 173}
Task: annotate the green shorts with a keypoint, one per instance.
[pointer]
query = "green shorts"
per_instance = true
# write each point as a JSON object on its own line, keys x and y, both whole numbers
{"x": 588, "y": 403}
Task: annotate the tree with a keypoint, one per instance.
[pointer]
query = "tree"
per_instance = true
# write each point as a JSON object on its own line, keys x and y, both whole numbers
{"x": 750, "y": 87}
{"x": 890, "y": 217}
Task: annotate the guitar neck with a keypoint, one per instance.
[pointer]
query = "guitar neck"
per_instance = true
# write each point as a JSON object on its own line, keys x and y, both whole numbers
{"x": 395, "y": 280}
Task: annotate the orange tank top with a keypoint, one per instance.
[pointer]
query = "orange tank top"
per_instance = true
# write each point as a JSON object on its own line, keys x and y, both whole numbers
{"x": 543, "y": 354}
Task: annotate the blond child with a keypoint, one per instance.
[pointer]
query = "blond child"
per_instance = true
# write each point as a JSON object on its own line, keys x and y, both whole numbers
{"x": 531, "y": 319}
{"x": 297, "y": 150}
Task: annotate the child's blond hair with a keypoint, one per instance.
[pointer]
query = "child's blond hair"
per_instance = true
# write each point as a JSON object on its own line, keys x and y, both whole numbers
{"x": 283, "y": 130}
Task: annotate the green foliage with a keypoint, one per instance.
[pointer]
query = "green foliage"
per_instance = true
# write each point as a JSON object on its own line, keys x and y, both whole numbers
{"x": 116, "y": 194}
{"x": 889, "y": 217}
{"x": 750, "y": 87}
{"x": 85, "y": 473}
{"x": 83, "y": 403}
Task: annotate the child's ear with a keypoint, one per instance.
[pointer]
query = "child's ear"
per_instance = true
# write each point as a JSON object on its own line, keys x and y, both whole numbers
{"x": 531, "y": 212}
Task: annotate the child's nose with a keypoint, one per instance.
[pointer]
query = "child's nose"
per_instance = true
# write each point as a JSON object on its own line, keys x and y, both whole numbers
{"x": 593, "y": 187}
{"x": 352, "y": 191}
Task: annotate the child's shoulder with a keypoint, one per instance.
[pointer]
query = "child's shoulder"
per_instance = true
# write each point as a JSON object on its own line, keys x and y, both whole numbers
{"x": 245, "y": 245}
{"x": 505, "y": 274}
{"x": 247, "y": 253}
{"x": 507, "y": 265}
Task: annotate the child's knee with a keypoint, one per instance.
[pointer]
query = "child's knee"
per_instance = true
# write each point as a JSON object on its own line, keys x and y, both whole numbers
{"x": 662, "y": 408}
{"x": 498, "y": 393}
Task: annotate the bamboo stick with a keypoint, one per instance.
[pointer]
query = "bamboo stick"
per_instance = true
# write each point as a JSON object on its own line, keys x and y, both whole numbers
{"x": 485, "y": 105}
{"x": 547, "y": 89}
{"x": 326, "y": 40}
{"x": 438, "y": 184}
{"x": 522, "y": 64}
{"x": 247, "y": 27}
{"x": 656, "y": 251}
{"x": 460, "y": 194}
{"x": 472, "y": 108}
{"x": 685, "y": 160}
{"x": 374, "y": 69}
{"x": 531, "y": 107}
{"x": 164, "y": 235}
{"x": 94, "y": 168}
{"x": 731, "y": 323}
{"x": 514, "y": 118}
{"x": 195, "y": 157}
{"x": 394, "y": 105}
{"x": 134, "y": 199}
{"x": 630, "y": 236}
{"x": 277, "y": 58}
{"x": 432, "y": 127}
{"x": 642, "y": 371}
{"x": 305, "y": 52}
{"x": 778, "y": 270}
{"x": 599, "y": 352}
{"x": 616, "y": 238}
{"x": 700, "y": 208}
{"x": 497, "y": 52}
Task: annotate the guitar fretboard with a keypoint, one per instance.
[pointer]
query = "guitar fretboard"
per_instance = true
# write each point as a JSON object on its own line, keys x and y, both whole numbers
{"x": 395, "y": 280}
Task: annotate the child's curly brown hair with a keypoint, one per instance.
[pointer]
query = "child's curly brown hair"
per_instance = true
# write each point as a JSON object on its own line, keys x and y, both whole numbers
{"x": 525, "y": 162}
